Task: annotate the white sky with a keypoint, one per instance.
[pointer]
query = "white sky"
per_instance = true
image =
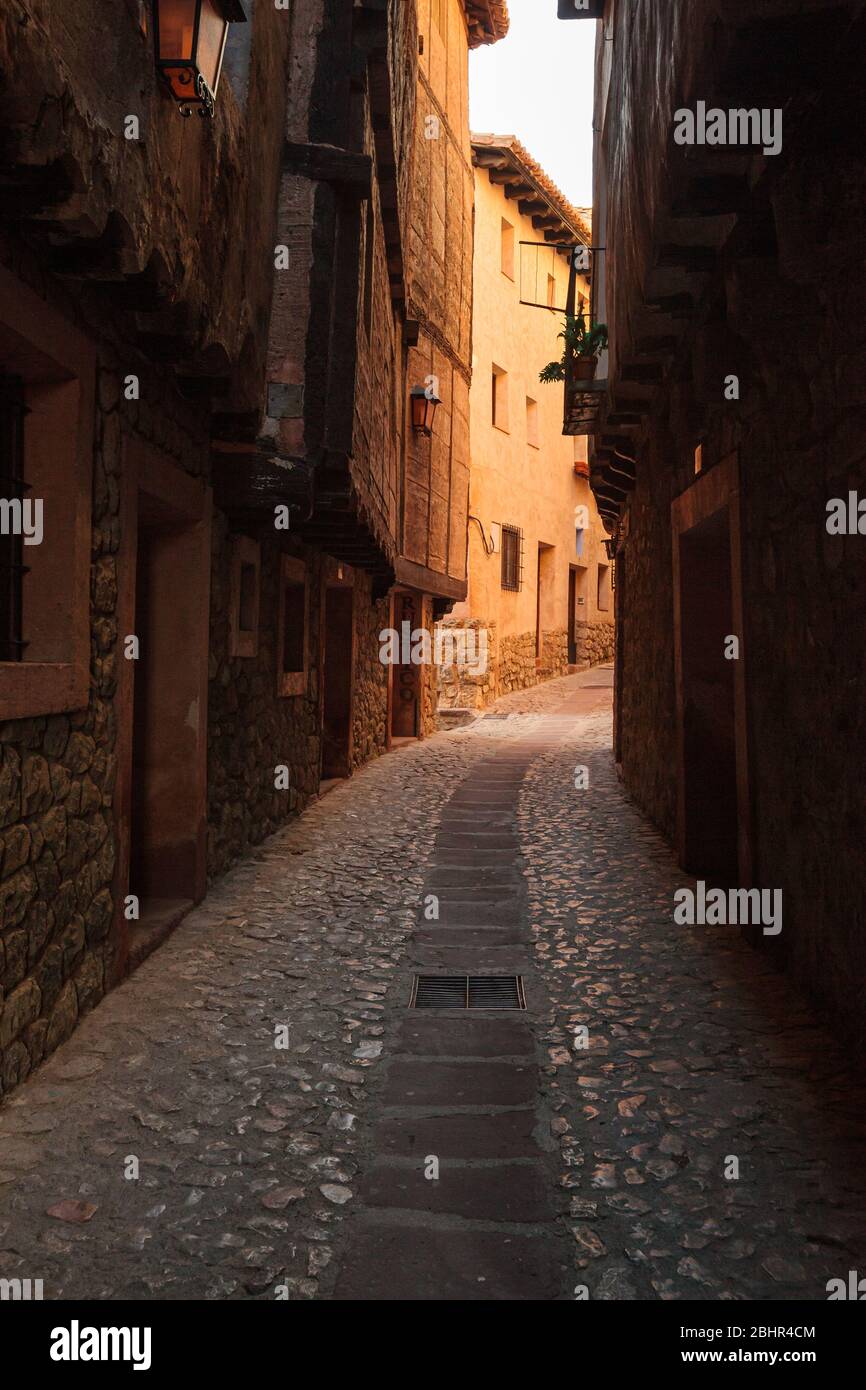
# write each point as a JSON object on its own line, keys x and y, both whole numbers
{"x": 537, "y": 84}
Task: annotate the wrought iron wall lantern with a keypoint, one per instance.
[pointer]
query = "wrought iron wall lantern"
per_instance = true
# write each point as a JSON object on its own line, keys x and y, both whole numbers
{"x": 190, "y": 40}
{"x": 424, "y": 404}
{"x": 610, "y": 547}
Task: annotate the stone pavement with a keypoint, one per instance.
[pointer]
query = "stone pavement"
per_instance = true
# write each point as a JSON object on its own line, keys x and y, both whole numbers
{"x": 269, "y": 1171}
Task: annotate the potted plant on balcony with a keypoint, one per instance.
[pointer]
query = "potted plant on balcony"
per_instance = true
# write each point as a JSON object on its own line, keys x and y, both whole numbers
{"x": 582, "y": 344}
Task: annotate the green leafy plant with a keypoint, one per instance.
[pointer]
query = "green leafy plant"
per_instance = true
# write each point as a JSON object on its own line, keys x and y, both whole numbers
{"x": 580, "y": 339}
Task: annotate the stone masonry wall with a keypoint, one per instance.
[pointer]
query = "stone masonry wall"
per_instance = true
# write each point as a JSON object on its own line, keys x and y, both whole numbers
{"x": 512, "y": 664}
{"x": 251, "y": 729}
{"x": 595, "y": 643}
{"x": 554, "y": 655}
{"x": 57, "y": 773}
{"x": 466, "y": 686}
{"x": 371, "y": 676}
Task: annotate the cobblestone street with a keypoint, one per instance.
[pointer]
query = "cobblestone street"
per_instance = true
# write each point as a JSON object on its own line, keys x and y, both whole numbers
{"x": 267, "y": 1170}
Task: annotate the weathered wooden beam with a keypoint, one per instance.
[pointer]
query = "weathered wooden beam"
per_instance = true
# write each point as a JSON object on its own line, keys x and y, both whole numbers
{"x": 542, "y": 221}
{"x": 507, "y": 177}
{"x": 647, "y": 373}
{"x": 528, "y": 207}
{"x": 699, "y": 260}
{"x": 330, "y": 164}
{"x": 203, "y": 388}
{"x": 253, "y": 485}
{"x": 713, "y": 195}
{"x": 619, "y": 443}
{"x": 624, "y": 418}
{"x": 661, "y": 345}
{"x": 678, "y": 306}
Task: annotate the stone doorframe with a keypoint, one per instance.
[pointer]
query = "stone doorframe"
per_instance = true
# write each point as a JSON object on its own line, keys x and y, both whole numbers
{"x": 336, "y": 575}
{"x": 717, "y": 490}
{"x": 400, "y": 597}
{"x": 147, "y": 470}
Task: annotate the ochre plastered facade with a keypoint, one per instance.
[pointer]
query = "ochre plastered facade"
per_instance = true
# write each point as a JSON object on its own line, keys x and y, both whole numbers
{"x": 524, "y": 473}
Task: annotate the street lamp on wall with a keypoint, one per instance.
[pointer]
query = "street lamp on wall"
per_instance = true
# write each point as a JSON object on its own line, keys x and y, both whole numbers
{"x": 424, "y": 403}
{"x": 610, "y": 546}
{"x": 190, "y": 40}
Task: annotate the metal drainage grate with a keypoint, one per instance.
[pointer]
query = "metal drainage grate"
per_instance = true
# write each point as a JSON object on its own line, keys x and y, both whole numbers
{"x": 468, "y": 992}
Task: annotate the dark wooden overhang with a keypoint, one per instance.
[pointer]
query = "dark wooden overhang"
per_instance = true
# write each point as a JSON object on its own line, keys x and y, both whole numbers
{"x": 252, "y": 475}
{"x": 371, "y": 69}
{"x": 251, "y": 482}
{"x": 717, "y": 206}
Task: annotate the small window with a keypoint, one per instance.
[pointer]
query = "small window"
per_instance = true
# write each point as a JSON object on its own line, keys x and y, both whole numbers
{"x": 507, "y": 249}
{"x": 512, "y": 558}
{"x": 244, "y": 598}
{"x": 551, "y": 292}
{"x": 293, "y": 628}
{"x": 500, "y": 399}
{"x": 532, "y": 422}
{"x": 604, "y": 588}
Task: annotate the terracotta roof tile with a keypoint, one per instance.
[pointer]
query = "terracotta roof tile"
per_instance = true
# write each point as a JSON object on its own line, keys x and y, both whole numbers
{"x": 488, "y": 21}
{"x": 578, "y": 219}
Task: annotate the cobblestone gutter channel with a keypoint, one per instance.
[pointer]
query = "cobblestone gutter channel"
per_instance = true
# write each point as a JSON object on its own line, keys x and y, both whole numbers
{"x": 460, "y": 1200}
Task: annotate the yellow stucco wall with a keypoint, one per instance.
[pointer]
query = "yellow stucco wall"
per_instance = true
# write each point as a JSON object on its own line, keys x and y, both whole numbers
{"x": 512, "y": 482}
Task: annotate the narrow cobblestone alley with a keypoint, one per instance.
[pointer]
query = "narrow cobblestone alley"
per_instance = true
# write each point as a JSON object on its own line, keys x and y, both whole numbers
{"x": 269, "y": 1172}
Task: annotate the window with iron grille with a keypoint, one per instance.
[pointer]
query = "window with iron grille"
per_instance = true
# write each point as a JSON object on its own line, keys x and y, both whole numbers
{"x": 512, "y": 558}
{"x": 12, "y": 492}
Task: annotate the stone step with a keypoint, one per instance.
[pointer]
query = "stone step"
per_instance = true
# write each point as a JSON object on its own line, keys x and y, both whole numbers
{"x": 454, "y": 856}
{"x": 494, "y": 1035}
{"x": 494, "y": 798}
{"x": 473, "y": 876}
{"x": 506, "y": 959}
{"x": 395, "y": 1261}
{"x": 459, "y": 912}
{"x": 493, "y": 896}
{"x": 507, "y": 1134}
{"x": 423, "y": 1084}
{"x": 516, "y": 1193}
{"x": 480, "y": 836}
{"x": 468, "y": 938}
